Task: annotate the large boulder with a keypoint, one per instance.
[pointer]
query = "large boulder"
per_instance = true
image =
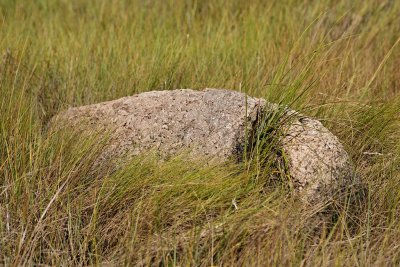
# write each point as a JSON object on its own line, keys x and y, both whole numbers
{"x": 217, "y": 124}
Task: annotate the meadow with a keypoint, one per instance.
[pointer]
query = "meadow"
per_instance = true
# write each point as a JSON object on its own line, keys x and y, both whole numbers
{"x": 338, "y": 61}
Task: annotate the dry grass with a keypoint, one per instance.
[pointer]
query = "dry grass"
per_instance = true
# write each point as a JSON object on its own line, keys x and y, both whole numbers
{"x": 335, "y": 60}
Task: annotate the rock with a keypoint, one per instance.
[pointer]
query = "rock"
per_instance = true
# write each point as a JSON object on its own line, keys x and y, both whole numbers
{"x": 216, "y": 124}
{"x": 208, "y": 123}
{"x": 317, "y": 161}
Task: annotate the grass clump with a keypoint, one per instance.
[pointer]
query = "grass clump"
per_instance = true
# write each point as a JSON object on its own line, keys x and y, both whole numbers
{"x": 334, "y": 60}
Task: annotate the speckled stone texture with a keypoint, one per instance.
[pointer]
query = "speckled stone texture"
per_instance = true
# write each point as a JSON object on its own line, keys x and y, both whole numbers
{"x": 318, "y": 164}
{"x": 205, "y": 123}
{"x": 214, "y": 123}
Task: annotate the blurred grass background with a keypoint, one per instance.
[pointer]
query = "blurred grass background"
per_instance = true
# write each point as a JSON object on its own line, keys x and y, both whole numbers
{"x": 335, "y": 60}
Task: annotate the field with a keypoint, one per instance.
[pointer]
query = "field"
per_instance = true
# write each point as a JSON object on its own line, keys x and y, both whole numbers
{"x": 338, "y": 61}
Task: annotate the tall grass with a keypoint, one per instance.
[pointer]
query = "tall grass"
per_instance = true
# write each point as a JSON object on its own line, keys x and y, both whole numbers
{"x": 334, "y": 60}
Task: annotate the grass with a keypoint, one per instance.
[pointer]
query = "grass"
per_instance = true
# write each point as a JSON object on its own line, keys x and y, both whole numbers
{"x": 334, "y": 60}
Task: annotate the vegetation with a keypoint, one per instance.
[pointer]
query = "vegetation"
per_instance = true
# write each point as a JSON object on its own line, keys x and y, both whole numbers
{"x": 334, "y": 60}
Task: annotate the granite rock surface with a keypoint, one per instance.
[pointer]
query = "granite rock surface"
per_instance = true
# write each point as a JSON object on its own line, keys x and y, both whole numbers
{"x": 214, "y": 123}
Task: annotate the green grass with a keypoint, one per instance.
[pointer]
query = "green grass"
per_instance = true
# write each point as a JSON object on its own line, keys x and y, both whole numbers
{"x": 335, "y": 60}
